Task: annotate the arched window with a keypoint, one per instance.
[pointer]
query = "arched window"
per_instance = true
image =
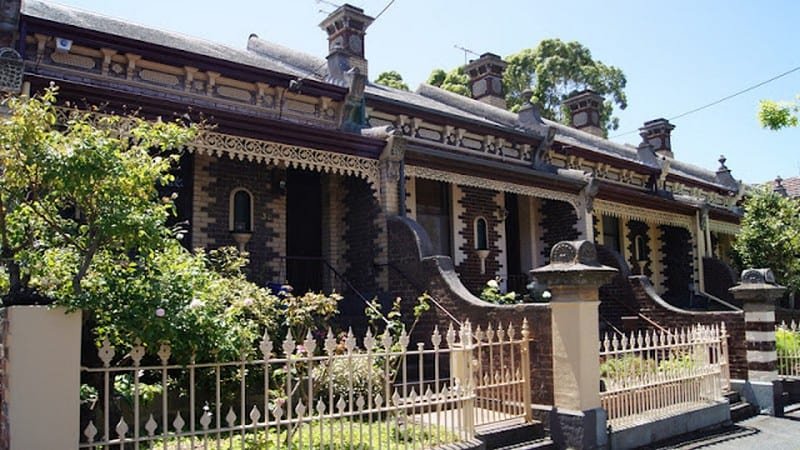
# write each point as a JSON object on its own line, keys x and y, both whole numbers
{"x": 481, "y": 234}
{"x": 641, "y": 252}
{"x": 241, "y": 215}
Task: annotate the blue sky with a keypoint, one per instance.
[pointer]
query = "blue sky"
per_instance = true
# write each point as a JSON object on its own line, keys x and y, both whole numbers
{"x": 676, "y": 55}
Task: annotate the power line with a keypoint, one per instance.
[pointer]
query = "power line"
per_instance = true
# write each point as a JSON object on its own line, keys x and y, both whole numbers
{"x": 383, "y": 10}
{"x": 723, "y": 99}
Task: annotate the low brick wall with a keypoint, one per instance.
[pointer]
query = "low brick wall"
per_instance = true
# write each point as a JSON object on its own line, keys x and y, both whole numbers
{"x": 413, "y": 270}
{"x": 668, "y": 316}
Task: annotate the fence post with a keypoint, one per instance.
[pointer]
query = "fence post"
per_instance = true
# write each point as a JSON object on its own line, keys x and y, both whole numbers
{"x": 573, "y": 278}
{"x": 42, "y": 378}
{"x": 758, "y": 292}
{"x": 461, "y": 375}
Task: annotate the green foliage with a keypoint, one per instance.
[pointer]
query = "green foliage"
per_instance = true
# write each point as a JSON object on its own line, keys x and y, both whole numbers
{"x": 334, "y": 435}
{"x": 124, "y": 386}
{"x": 456, "y": 80}
{"x": 71, "y": 192}
{"x": 392, "y": 79}
{"x": 778, "y": 115}
{"x": 491, "y": 293}
{"x": 770, "y": 236}
{"x": 787, "y": 345}
{"x": 555, "y": 70}
{"x": 336, "y": 378}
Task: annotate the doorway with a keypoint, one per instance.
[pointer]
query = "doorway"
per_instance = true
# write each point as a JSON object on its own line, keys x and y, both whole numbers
{"x": 304, "y": 264}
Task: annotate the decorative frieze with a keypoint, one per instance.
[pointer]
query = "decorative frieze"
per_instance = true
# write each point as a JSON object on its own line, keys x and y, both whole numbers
{"x": 487, "y": 183}
{"x": 717, "y": 226}
{"x": 70, "y": 59}
{"x": 630, "y": 212}
{"x": 159, "y": 77}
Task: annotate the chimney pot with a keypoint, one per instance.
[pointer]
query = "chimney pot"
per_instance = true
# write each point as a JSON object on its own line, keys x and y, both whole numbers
{"x": 486, "y": 79}
{"x": 657, "y": 133}
{"x": 585, "y": 107}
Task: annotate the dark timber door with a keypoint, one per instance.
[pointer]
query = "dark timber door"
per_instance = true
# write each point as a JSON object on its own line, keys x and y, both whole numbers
{"x": 304, "y": 231}
{"x": 516, "y": 277}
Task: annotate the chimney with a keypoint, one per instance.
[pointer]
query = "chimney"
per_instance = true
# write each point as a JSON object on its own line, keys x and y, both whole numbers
{"x": 778, "y": 187}
{"x": 346, "y": 27}
{"x": 657, "y": 134}
{"x": 486, "y": 79}
{"x": 584, "y": 107}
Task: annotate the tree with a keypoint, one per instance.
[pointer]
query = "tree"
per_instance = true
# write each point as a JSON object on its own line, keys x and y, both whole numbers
{"x": 553, "y": 71}
{"x": 770, "y": 236}
{"x": 456, "y": 80}
{"x": 69, "y": 192}
{"x": 392, "y": 79}
{"x": 778, "y": 115}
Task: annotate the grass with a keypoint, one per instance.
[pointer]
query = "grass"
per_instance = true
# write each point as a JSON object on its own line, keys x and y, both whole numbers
{"x": 324, "y": 435}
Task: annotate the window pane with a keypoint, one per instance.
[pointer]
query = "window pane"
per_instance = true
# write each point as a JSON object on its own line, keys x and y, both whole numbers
{"x": 433, "y": 213}
{"x": 241, "y": 212}
{"x": 480, "y": 231}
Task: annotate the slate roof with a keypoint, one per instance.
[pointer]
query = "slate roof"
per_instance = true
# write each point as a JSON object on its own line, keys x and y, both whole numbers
{"x": 791, "y": 185}
{"x": 276, "y": 58}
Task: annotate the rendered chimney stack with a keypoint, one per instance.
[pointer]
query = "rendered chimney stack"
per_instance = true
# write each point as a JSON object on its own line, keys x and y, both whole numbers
{"x": 346, "y": 27}
{"x": 585, "y": 109}
{"x": 657, "y": 134}
{"x": 486, "y": 79}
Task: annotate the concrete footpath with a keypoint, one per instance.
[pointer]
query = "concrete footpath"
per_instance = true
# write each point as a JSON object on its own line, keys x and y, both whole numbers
{"x": 759, "y": 432}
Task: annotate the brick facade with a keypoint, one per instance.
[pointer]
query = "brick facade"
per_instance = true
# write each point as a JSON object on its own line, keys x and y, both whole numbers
{"x": 559, "y": 222}
{"x": 416, "y": 271}
{"x": 364, "y": 235}
{"x": 670, "y": 317}
{"x": 474, "y": 203}
{"x": 719, "y": 277}
{"x": 215, "y": 179}
{"x": 634, "y": 230}
{"x": 677, "y": 264}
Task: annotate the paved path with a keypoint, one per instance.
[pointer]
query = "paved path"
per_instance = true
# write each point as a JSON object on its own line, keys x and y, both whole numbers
{"x": 759, "y": 432}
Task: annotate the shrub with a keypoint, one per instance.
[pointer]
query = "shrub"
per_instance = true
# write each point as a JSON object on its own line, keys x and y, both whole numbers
{"x": 491, "y": 293}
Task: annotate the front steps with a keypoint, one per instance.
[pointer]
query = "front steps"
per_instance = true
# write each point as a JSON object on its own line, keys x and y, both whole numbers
{"x": 515, "y": 436}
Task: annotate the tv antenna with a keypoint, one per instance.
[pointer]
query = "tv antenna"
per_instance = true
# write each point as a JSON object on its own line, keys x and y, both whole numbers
{"x": 466, "y": 51}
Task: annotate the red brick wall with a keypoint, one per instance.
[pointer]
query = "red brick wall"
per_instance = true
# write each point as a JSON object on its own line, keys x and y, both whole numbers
{"x": 559, "y": 223}
{"x": 414, "y": 271}
{"x": 476, "y": 203}
{"x": 671, "y": 317}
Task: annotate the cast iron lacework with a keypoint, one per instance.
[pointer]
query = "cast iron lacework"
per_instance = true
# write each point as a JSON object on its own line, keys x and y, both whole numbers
{"x": 493, "y": 185}
{"x": 10, "y": 70}
{"x": 723, "y": 227}
{"x": 629, "y": 212}
{"x": 218, "y": 144}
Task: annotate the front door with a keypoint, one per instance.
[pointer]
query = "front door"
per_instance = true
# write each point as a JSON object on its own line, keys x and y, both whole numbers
{"x": 304, "y": 231}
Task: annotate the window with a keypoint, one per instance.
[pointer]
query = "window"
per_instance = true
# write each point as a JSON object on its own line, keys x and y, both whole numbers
{"x": 611, "y": 233}
{"x": 481, "y": 234}
{"x": 433, "y": 213}
{"x": 641, "y": 251}
{"x": 241, "y": 216}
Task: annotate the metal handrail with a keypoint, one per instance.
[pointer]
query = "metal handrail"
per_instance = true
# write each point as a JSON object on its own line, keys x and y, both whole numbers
{"x": 342, "y": 279}
{"x": 421, "y": 289}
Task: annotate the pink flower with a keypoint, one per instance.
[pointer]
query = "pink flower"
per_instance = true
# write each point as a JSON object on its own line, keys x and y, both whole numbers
{"x": 160, "y": 312}
{"x": 248, "y": 302}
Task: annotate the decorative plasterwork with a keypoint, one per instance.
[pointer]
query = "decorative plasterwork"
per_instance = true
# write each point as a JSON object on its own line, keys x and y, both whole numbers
{"x": 213, "y": 143}
{"x": 724, "y": 227}
{"x": 630, "y": 212}
{"x": 494, "y": 185}
{"x": 219, "y": 144}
